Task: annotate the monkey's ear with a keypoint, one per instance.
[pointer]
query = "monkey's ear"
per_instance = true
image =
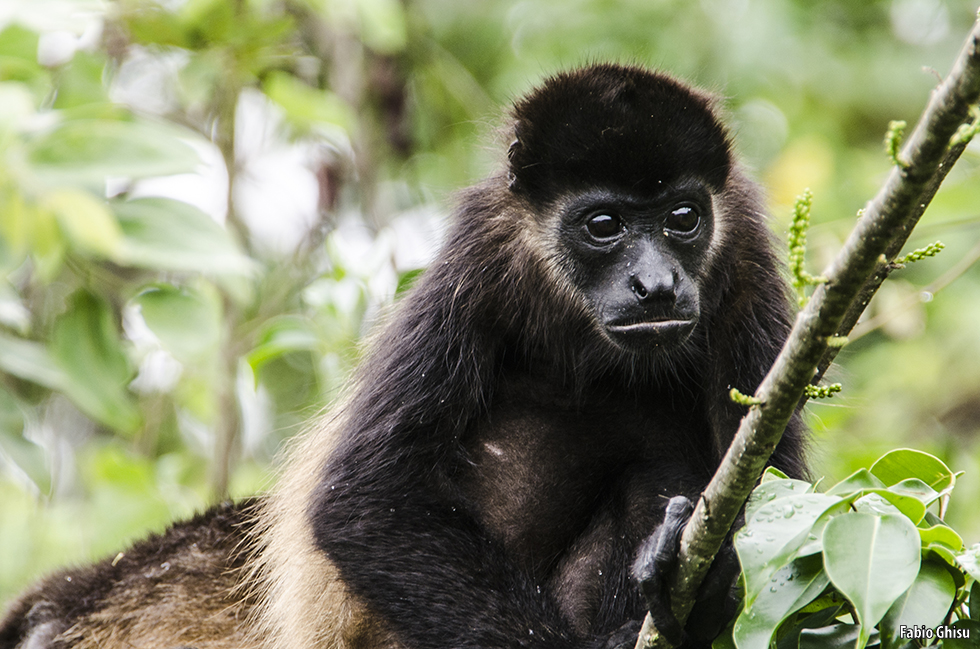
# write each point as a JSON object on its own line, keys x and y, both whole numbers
{"x": 513, "y": 148}
{"x": 512, "y": 151}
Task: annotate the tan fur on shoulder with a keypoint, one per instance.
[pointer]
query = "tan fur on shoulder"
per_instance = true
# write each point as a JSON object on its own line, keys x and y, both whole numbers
{"x": 302, "y": 602}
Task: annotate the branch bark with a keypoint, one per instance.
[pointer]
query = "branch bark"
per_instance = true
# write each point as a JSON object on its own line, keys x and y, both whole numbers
{"x": 852, "y": 279}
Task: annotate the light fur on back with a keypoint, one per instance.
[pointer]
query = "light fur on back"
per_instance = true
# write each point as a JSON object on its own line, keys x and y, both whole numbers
{"x": 302, "y": 603}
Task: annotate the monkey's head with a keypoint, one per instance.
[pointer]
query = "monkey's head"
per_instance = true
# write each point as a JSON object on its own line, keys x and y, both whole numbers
{"x": 624, "y": 167}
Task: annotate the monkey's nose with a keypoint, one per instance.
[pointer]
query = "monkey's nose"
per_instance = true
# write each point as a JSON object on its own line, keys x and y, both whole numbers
{"x": 652, "y": 288}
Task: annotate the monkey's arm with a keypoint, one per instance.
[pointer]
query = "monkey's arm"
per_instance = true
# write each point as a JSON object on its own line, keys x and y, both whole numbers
{"x": 423, "y": 562}
{"x": 425, "y": 565}
{"x": 717, "y": 598}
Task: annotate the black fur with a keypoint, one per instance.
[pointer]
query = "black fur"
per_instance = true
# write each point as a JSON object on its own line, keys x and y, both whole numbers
{"x": 504, "y": 459}
{"x": 618, "y": 127}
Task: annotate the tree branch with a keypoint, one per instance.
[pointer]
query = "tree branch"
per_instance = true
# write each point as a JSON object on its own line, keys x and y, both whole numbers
{"x": 852, "y": 278}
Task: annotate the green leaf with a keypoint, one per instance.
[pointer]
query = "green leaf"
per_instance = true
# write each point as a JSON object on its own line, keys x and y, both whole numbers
{"x": 305, "y": 106}
{"x": 770, "y": 490}
{"x": 80, "y": 82}
{"x": 837, "y": 636}
{"x": 149, "y": 25}
{"x": 16, "y": 227}
{"x": 772, "y": 473}
{"x": 868, "y": 491}
{"x": 975, "y": 602}
{"x": 821, "y": 618}
{"x": 282, "y": 336}
{"x": 792, "y": 587}
{"x": 966, "y": 635}
{"x": 875, "y": 505}
{"x": 165, "y": 234}
{"x": 925, "y": 603}
{"x": 942, "y": 534}
{"x": 871, "y": 560}
{"x": 208, "y": 21}
{"x": 201, "y": 78}
{"x": 885, "y": 501}
{"x": 85, "y": 343}
{"x": 814, "y": 541}
{"x": 383, "y": 25}
{"x": 83, "y": 152}
{"x": 17, "y": 102}
{"x": 859, "y": 481}
{"x": 902, "y": 464}
{"x": 774, "y": 534}
{"x": 88, "y": 223}
{"x": 47, "y": 243}
{"x": 25, "y": 456}
{"x": 724, "y": 640}
{"x": 18, "y": 63}
{"x": 186, "y": 322}
{"x": 915, "y": 488}
{"x": 18, "y": 42}
{"x": 970, "y": 561}
{"x": 931, "y": 520}
{"x": 407, "y": 280}
{"x": 943, "y": 542}
{"x": 943, "y": 553}
{"x": 30, "y": 361}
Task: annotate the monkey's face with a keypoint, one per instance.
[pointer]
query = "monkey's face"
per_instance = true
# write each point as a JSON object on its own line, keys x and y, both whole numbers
{"x": 638, "y": 261}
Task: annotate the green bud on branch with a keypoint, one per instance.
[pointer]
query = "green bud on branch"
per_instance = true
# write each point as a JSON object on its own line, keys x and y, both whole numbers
{"x": 744, "y": 399}
{"x": 893, "y": 141}
{"x": 797, "y": 246}
{"x": 966, "y": 132}
{"x": 921, "y": 253}
{"x": 823, "y": 391}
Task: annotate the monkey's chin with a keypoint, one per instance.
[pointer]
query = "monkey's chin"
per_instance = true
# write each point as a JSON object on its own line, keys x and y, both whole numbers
{"x": 651, "y": 335}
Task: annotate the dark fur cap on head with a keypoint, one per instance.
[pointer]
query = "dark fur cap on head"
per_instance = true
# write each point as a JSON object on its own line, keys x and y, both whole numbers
{"x": 618, "y": 125}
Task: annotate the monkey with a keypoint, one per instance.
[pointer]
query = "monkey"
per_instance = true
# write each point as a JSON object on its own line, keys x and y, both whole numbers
{"x": 518, "y": 452}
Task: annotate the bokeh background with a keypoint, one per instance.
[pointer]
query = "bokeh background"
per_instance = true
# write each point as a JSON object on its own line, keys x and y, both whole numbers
{"x": 206, "y": 204}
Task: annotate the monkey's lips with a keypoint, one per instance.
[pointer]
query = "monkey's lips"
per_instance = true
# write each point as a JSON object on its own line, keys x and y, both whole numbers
{"x": 648, "y": 334}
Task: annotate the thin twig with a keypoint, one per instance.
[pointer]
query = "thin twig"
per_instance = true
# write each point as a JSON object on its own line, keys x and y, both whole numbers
{"x": 867, "y": 326}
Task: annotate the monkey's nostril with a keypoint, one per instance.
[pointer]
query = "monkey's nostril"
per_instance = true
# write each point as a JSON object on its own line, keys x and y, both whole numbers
{"x": 637, "y": 287}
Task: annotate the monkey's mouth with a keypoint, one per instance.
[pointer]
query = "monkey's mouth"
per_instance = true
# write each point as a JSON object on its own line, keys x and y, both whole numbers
{"x": 648, "y": 334}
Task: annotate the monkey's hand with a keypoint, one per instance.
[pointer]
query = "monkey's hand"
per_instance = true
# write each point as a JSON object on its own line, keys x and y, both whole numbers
{"x": 622, "y": 638}
{"x": 656, "y": 562}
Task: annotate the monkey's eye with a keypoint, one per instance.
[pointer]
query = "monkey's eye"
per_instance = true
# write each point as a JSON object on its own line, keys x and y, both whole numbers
{"x": 683, "y": 220}
{"x": 604, "y": 226}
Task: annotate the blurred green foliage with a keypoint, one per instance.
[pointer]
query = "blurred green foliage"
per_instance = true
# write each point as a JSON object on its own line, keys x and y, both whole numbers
{"x": 157, "y": 344}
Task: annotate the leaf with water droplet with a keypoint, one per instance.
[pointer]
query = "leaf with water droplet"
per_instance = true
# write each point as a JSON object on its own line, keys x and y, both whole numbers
{"x": 772, "y": 489}
{"x": 755, "y": 626}
{"x": 777, "y": 541}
